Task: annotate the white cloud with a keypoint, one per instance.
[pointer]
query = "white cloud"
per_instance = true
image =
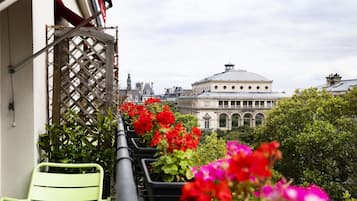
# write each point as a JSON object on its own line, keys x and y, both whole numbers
{"x": 296, "y": 43}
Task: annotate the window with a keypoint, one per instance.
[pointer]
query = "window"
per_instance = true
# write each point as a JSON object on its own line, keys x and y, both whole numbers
{"x": 233, "y": 87}
{"x": 235, "y": 121}
{"x": 261, "y": 103}
{"x": 250, "y": 104}
{"x": 224, "y": 87}
{"x": 241, "y": 87}
{"x": 258, "y": 87}
{"x": 216, "y": 87}
{"x": 250, "y": 87}
{"x": 259, "y": 119}
{"x": 225, "y": 104}
{"x": 223, "y": 121}
{"x": 256, "y": 104}
{"x": 220, "y": 103}
{"x": 266, "y": 87}
{"x": 233, "y": 104}
{"x": 245, "y": 103}
{"x": 247, "y": 119}
{"x": 206, "y": 123}
{"x": 238, "y": 103}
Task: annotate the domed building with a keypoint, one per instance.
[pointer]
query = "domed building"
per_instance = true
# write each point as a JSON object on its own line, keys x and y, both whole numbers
{"x": 230, "y": 99}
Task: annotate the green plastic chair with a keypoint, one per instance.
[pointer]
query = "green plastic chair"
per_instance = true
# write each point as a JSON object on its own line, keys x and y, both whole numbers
{"x": 50, "y": 186}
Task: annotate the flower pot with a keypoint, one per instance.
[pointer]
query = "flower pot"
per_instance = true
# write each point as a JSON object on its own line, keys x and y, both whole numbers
{"x": 129, "y": 135}
{"x": 159, "y": 190}
{"x": 141, "y": 151}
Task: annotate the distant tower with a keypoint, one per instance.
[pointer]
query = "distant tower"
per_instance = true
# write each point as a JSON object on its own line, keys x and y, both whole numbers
{"x": 128, "y": 83}
{"x": 229, "y": 66}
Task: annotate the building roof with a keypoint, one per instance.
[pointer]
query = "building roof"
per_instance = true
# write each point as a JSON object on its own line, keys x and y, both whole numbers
{"x": 241, "y": 95}
{"x": 234, "y": 75}
{"x": 340, "y": 86}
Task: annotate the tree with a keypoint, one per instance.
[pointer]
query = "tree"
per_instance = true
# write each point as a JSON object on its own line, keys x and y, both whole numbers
{"x": 318, "y": 136}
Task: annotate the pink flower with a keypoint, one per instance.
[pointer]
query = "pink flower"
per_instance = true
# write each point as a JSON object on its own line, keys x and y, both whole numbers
{"x": 233, "y": 147}
{"x": 214, "y": 171}
{"x": 283, "y": 191}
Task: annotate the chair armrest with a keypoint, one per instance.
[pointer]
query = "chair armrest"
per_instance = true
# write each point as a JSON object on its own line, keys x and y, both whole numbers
{"x": 11, "y": 199}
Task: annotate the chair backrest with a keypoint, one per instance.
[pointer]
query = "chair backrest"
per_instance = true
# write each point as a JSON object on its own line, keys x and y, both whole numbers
{"x": 79, "y": 186}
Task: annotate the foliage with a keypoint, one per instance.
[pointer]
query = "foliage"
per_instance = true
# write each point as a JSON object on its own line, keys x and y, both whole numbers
{"x": 211, "y": 149}
{"x": 71, "y": 142}
{"x": 347, "y": 196}
{"x": 175, "y": 166}
{"x": 243, "y": 134}
{"x": 188, "y": 120}
{"x": 245, "y": 174}
{"x": 318, "y": 135}
{"x": 171, "y": 105}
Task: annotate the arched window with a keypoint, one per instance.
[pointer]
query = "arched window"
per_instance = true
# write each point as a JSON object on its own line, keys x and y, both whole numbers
{"x": 235, "y": 121}
{"x": 259, "y": 119}
{"x": 247, "y": 119}
{"x": 223, "y": 120}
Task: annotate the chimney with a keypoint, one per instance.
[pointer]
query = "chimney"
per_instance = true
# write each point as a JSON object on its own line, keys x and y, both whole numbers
{"x": 333, "y": 79}
{"x": 229, "y": 67}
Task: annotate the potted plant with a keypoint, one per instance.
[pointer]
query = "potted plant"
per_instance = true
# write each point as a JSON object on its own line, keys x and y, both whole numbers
{"x": 152, "y": 118}
{"x": 165, "y": 176}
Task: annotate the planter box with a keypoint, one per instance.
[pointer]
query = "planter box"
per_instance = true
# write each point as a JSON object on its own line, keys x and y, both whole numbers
{"x": 158, "y": 190}
{"x": 129, "y": 135}
{"x": 141, "y": 152}
{"x": 127, "y": 124}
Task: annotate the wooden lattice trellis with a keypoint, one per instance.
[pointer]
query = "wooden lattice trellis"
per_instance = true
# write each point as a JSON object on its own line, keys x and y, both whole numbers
{"x": 82, "y": 73}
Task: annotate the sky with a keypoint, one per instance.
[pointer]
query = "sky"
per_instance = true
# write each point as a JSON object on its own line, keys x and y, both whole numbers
{"x": 295, "y": 43}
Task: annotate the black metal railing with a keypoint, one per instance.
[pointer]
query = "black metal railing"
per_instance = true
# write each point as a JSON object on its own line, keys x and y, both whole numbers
{"x": 126, "y": 188}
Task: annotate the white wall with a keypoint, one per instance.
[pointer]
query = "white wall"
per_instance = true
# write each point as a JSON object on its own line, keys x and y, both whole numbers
{"x": 17, "y": 41}
{"x": 17, "y": 142}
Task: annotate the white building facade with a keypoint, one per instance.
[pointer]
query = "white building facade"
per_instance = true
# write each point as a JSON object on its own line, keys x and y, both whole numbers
{"x": 230, "y": 99}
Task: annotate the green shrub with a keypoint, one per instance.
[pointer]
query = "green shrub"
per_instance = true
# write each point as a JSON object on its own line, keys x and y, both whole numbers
{"x": 188, "y": 120}
{"x": 71, "y": 142}
{"x": 212, "y": 148}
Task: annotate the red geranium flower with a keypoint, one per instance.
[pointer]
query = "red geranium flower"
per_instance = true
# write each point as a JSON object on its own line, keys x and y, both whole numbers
{"x": 144, "y": 123}
{"x": 156, "y": 139}
{"x": 166, "y": 117}
{"x": 247, "y": 166}
{"x": 152, "y": 101}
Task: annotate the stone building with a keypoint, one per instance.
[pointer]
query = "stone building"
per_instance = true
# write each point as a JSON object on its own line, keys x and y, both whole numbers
{"x": 336, "y": 86}
{"x": 139, "y": 94}
{"x": 230, "y": 99}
